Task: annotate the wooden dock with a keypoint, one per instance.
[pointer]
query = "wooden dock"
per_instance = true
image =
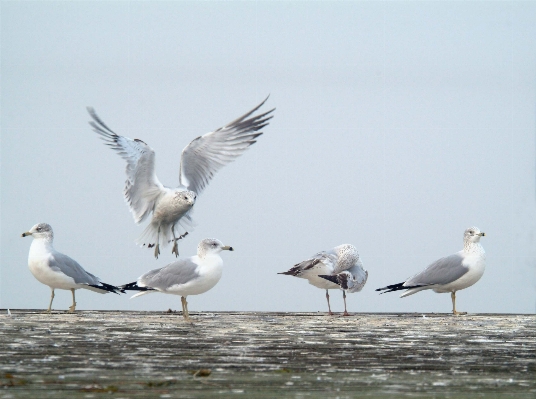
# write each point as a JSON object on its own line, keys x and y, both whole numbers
{"x": 261, "y": 355}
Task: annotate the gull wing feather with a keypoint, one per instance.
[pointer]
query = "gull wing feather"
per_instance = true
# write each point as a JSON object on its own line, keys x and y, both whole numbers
{"x": 179, "y": 272}
{"x": 68, "y": 266}
{"x": 328, "y": 259}
{"x": 207, "y": 154}
{"x": 142, "y": 187}
{"x": 442, "y": 271}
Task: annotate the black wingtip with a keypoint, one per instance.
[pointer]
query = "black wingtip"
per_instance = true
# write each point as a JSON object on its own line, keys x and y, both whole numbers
{"x": 333, "y": 279}
{"x": 108, "y": 288}
{"x": 134, "y": 287}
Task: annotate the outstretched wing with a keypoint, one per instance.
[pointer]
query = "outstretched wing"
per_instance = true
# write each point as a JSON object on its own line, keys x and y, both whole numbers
{"x": 142, "y": 187}
{"x": 207, "y": 154}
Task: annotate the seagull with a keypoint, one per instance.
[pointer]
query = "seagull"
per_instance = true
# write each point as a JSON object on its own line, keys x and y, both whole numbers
{"x": 449, "y": 274}
{"x": 57, "y": 270}
{"x": 337, "y": 268}
{"x": 200, "y": 160}
{"x": 191, "y": 276}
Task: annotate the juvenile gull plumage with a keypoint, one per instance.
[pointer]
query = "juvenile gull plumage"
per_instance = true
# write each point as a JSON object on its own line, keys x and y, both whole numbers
{"x": 337, "y": 268}
{"x": 449, "y": 274}
{"x": 200, "y": 160}
{"x": 57, "y": 270}
{"x": 191, "y": 276}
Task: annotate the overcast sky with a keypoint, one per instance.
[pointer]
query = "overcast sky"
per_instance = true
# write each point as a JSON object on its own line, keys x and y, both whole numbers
{"x": 398, "y": 125}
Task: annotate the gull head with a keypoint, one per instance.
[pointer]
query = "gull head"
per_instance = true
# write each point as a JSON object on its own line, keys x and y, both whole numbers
{"x": 40, "y": 230}
{"x": 211, "y": 246}
{"x": 473, "y": 234}
{"x": 186, "y": 197}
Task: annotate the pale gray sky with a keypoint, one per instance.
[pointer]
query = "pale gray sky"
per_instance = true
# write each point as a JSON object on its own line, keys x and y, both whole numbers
{"x": 398, "y": 125}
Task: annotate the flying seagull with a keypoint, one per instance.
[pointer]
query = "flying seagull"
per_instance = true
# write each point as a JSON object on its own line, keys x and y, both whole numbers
{"x": 337, "y": 268}
{"x": 57, "y": 270}
{"x": 200, "y": 160}
{"x": 191, "y": 276}
{"x": 449, "y": 274}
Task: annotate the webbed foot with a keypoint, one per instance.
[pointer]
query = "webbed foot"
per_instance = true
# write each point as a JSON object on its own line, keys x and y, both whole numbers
{"x": 175, "y": 249}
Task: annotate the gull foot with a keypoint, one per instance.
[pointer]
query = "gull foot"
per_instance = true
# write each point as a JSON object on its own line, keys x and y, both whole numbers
{"x": 156, "y": 250}
{"x": 346, "y": 313}
{"x": 456, "y": 313}
{"x": 72, "y": 308}
{"x": 175, "y": 249}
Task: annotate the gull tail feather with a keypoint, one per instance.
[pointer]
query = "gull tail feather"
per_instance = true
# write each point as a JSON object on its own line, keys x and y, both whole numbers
{"x": 142, "y": 293}
{"x": 150, "y": 237}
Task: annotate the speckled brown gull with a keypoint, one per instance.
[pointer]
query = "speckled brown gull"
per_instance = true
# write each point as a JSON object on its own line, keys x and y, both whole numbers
{"x": 337, "y": 268}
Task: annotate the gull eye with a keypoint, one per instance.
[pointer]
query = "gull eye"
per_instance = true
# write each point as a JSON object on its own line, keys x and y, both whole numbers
{"x": 39, "y": 229}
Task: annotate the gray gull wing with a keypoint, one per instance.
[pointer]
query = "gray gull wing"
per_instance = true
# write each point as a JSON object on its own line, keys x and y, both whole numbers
{"x": 207, "y": 154}
{"x": 442, "y": 271}
{"x": 142, "y": 187}
{"x": 179, "y": 272}
{"x": 68, "y": 266}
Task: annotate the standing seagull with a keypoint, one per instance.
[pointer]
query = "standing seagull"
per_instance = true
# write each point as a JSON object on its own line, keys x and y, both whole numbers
{"x": 337, "y": 268}
{"x": 200, "y": 160}
{"x": 191, "y": 276}
{"x": 57, "y": 270}
{"x": 449, "y": 274}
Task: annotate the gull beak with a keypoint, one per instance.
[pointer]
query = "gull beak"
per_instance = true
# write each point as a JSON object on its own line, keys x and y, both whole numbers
{"x": 482, "y": 234}
{"x": 27, "y": 233}
{"x": 228, "y": 248}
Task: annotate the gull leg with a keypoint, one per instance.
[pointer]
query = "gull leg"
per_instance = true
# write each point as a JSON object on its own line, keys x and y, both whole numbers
{"x": 454, "y": 311}
{"x": 185, "y": 309}
{"x": 73, "y": 306}
{"x": 344, "y": 297}
{"x": 157, "y": 246}
{"x": 329, "y": 307}
{"x": 175, "y": 249}
{"x": 51, "y": 299}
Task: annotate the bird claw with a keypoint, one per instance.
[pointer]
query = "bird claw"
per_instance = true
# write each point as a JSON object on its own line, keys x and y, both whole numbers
{"x": 72, "y": 308}
{"x": 175, "y": 249}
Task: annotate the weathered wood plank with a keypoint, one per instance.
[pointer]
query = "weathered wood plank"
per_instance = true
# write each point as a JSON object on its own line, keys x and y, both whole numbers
{"x": 146, "y": 354}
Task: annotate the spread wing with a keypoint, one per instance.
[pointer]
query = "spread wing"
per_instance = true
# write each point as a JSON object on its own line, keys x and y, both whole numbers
{"x": 142, "y": 187}
{"x": 207, "y": 154}
{"x": 442, "y": 271}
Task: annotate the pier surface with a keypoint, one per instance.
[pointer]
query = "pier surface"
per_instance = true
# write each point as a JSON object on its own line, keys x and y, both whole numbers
{"x": 261, "y": 355}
